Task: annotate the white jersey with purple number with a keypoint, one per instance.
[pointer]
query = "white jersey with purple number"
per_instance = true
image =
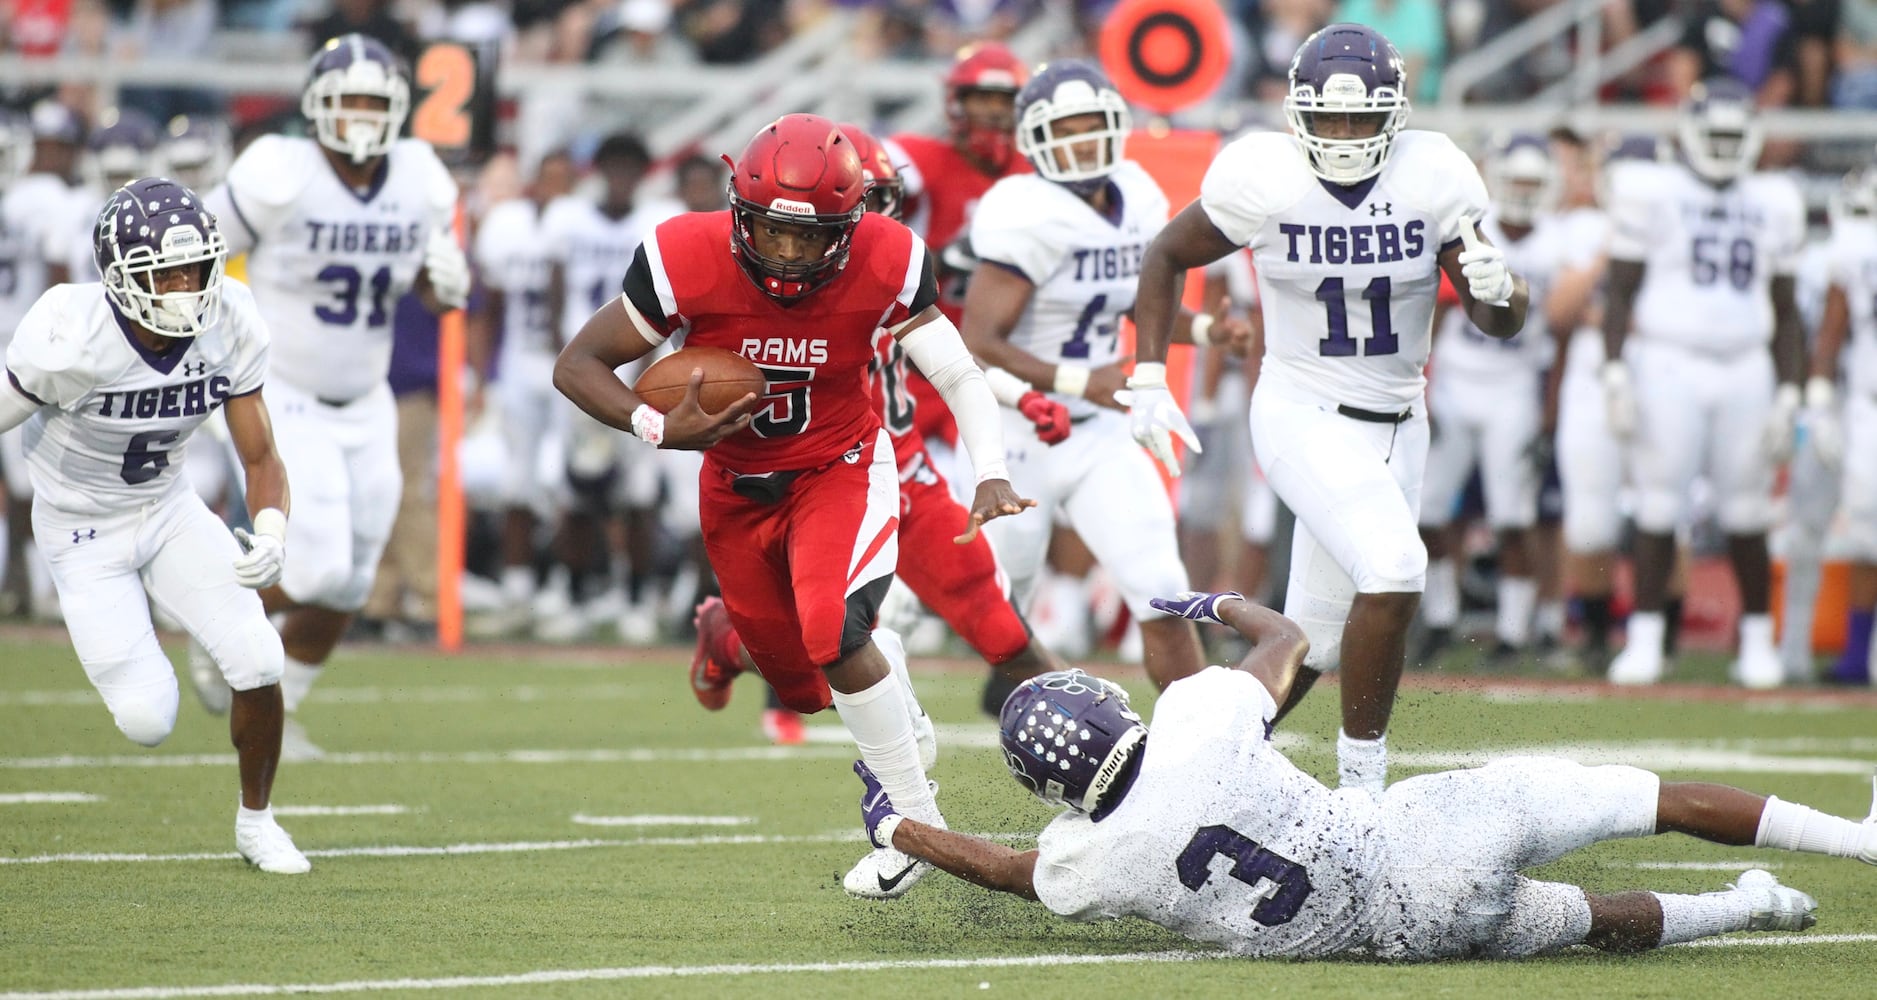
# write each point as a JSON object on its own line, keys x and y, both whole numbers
{"x": 115, "y": 418}
{"x": 594, "y": 250}
{"x": 1467, "y": 352}
{"x": 1221, "y": 838}
{"x": 1853, "y": 268}
{"x": 328, "y": 263}
{"x": 1347, "y": 275}
{"x": 1084, "y": 265}
{"x": 1710, "y": 253}
{"x": 513, "y": 255}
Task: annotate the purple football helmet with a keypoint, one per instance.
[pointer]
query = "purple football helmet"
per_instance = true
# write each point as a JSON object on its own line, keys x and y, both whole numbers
{"x": 1063, "y": 89}
{"x": 151, "y": 226}
{"x": 356, "y": 65}
{"x": 120, "y": 150}
{"x": 1521, "y": 178}
{"x": 1071, "y": 739}
{"x": 1719, "y": 130}
{"x": 1348, "y": 72}
{"x": 194, "y": 151}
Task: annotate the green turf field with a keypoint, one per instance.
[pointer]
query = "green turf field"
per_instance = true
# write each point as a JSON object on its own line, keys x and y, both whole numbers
{"x": 544, "y": 824}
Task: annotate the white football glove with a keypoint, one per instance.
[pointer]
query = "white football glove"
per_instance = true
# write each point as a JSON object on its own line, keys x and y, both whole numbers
{"x": 1781, "y": 423}
{"x": 1487, "y": 277}
{"x": 1619, "y": 399}
{"x": 1155, "y": 417}
{"x": 263, "y": 550}
{"x": 447, "y": 269}
{"x": 1821, "y": 422}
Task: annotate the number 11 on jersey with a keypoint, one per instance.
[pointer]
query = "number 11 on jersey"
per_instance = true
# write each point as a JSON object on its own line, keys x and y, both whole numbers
{"x": 1339, "y": 343}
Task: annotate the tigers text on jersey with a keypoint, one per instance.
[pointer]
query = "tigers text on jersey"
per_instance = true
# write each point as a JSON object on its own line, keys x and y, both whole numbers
{"x": 1085, "y": 266}
{"x": 513, "y": 255}
{"x": 328, "y": 263}
{"x": 1549, "y": 246}
{"x": 1347, "y": 275}
{"x": 1710, "y": 254}
{"x": 1221, "y": 838}
{"x": 816, "y": 353}
{"x": 116, "y": 418}
{"x": 1853, "y": 267}
{"x": 594, "y": 250}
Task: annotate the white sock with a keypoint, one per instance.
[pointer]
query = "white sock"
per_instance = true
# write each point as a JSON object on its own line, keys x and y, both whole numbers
{"x": 890, "y": 646}
{"x": 1756, "y": 630}
{"x": 1518, "y": 597}
{"x": 1685, "y": 918}
{"x": 295, "y": 681}
{"x": 253, "y": 817}
{"x": 1793, "y": 827}
{"x": 1440, "y": 602}
{"x": 878, "y": 720}
{"x": 517, "y": 584}
{"x": 1645, "y": 631}
{"x": 1362, "y": 763}
{"x": 1549, "y": 622}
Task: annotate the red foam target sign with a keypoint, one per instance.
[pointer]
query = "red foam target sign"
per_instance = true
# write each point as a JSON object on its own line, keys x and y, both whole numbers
{"x": 1166, "y": 55}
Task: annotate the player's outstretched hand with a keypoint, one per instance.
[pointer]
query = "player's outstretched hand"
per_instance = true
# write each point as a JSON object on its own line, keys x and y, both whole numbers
{"x": 1488, "y": 279}
{"x": 875, "y": 806}
{"x": 263, "y": 551}
{"x": 1195, "y": 606}
{"x": 995, "y": 498}
{"x": 1050, "y": 418}
{"x": 447, "y": 268}
{"x": 1155, "y": 417}
{"x": 689, "y": 428}
{"x": 1228, "y": 331}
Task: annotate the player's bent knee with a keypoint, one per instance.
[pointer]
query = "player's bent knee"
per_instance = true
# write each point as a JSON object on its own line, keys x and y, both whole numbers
{"x": 1396, "y": 569}
{"x": 146, "y": 715}
{"x": 1656, "y": 511}
{"x": 250, "y": 656}
{"x": 1744, "y": 515}
{"x": 1584, "y": 533}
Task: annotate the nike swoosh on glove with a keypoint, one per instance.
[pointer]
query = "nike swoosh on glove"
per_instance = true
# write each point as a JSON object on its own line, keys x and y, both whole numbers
{"x": 262, "y": 559}
{"x": 1155, "y": 417}
{"x": 875, "y": 807}
{"x": 1195, "y": 606}
{"x": 1487, "y": 277}
{"x": 447, "y": 269}
{"x": 1050, "y": 418}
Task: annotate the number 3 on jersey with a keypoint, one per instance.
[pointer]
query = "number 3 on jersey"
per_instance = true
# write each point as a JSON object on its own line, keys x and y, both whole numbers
{"x": 1252, "y": 865}
{"x": 1339, "y": 343}
{"x": 343, "y": 282}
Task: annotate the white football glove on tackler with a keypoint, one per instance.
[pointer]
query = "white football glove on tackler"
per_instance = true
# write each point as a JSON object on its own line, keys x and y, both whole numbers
{"x": 1487, "y": 277}
{"x": 447, "y": 268}
{"x": 1619, "y": 399}
{"x": 1156, "y": 418}
{"x": 263, "y": 550}
{"x": 1822, "y": 427}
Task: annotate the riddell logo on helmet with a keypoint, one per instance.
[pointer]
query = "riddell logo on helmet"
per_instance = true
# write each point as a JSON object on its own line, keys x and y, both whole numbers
{"x": 1345, "y": 85}
{"x": 792, "y": 207}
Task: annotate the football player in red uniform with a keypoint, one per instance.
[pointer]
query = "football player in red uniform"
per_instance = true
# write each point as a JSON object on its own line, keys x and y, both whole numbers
{"x": 960, "y": 583}
{"x": 799, "y": 490}
{"x": 945, "y": 175}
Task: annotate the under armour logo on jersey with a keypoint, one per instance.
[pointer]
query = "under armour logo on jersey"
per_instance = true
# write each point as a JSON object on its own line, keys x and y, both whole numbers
{"x": 195, "y": 369}
{"x": 1381, "y": 208}
{"x": 83, "y": 535}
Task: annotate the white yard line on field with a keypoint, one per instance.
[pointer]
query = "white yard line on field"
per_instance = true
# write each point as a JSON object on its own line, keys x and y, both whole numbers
{"x": 42, "y": 798}
{"x": 644, "y": 755}
{"x": 424, "y": 850}
{"x": 546, "y": 976}
{"x": 584, "y": 820}
{"x": 381, "y": 810}
{"x": 413, "y": 695}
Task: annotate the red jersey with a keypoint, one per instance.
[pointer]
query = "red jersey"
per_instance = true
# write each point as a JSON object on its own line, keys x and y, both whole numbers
{"x": 815, "y": 352}
{"x": 893, "y": 391}
{"x": 942, "y": 191}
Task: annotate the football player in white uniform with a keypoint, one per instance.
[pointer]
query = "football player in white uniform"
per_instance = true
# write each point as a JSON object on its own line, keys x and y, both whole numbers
{"x": 1350, "y": 222}
{"x": 1058, "y": 251}
{"x": 1486, "y": 403}
{"x": 516, "y": 259}
{"x": 114, "y": 379}
{"x": 590, "y": 246}
{"x": 1844, "y": 432}
{"x": 1201, "y": 826}
{"x": 1702, "y": 254}
{"x": 337, "y": 228}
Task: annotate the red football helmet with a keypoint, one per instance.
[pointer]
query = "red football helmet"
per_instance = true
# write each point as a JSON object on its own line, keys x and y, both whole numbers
{"x": 984, "y": 66}
{"x": 799, "y": 170}
{"x": 886, "y": 192}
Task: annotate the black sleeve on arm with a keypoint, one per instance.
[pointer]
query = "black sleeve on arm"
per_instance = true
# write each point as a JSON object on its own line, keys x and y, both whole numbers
{"x": 640, "y": 292}
{"x": 927, "y": 295}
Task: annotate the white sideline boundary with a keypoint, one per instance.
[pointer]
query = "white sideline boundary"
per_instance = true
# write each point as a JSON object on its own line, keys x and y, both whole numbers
{"x": 389, "y": 809}
{"x": 46, "y": 798}
{"x": 547, "y": 976}
{"x": 643, "y": 755}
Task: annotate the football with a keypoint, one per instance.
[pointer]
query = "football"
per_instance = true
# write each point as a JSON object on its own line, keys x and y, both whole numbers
{"x": 727, "y": 377}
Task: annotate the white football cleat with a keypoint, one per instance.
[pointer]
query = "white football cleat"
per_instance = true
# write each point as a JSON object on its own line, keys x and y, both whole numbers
{"x": 269, "y": 848}
{"x": 638, "y": 624}
{"x": 294, "y": 745}
{"x": 1636, "y": 665}
{"x": 1775, "y": 907}
{"x": 211, "y": 687}
{"x": 884, "y": 873}
{"x": 1759, "y": 667}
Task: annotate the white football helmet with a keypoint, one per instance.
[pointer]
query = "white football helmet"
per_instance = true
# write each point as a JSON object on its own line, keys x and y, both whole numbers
{"x": 1720, "y": 130}
{"x": 356, "y": 65}
{"x": 1521, "y": 178}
